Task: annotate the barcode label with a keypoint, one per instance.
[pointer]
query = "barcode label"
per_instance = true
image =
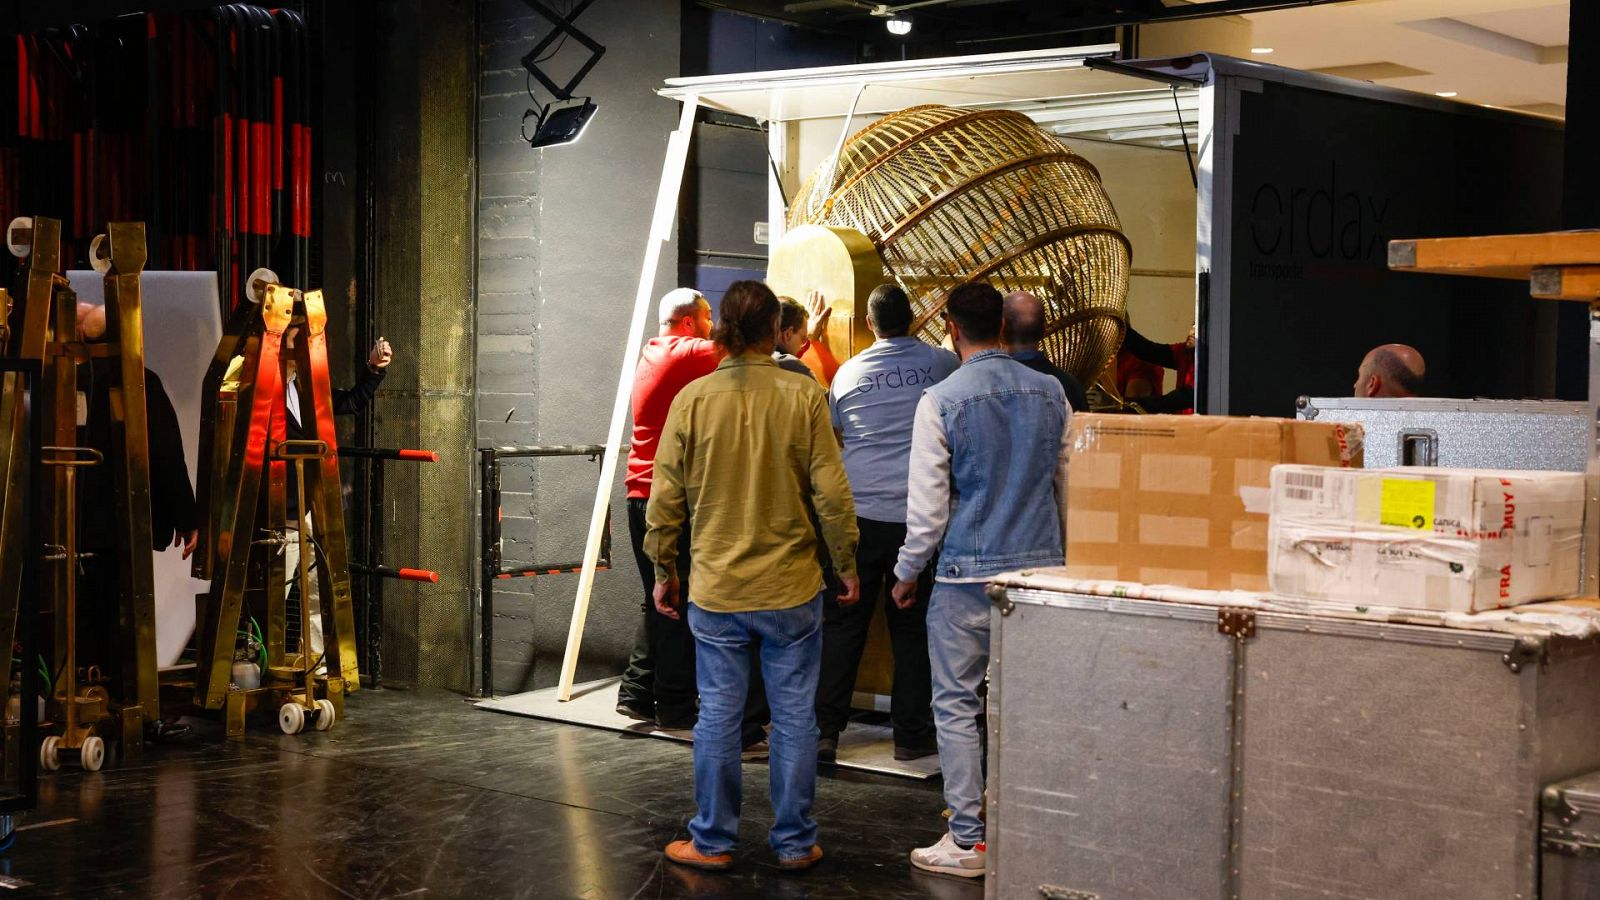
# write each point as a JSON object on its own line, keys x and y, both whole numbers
{"x": 1303, "y": 486}
{"x": 1303, "y": 479}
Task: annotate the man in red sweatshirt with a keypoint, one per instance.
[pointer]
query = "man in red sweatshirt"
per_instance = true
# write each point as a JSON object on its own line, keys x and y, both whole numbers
{"x": 659, "y": 683}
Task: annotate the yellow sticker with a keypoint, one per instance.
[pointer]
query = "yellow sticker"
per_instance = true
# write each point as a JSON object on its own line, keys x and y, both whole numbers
{"x": 1407, "y": 503}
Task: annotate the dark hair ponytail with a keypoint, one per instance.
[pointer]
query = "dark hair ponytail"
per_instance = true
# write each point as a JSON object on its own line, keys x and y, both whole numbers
{"x": 748, "y": 314}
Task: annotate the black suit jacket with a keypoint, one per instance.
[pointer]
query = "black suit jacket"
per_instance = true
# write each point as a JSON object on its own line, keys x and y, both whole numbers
{"x": 345, "y": 403}
{"x": 172, "y": 506}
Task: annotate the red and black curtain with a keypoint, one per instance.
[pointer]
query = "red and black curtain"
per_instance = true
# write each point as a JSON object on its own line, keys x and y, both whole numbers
{"x": 197, "y": 123}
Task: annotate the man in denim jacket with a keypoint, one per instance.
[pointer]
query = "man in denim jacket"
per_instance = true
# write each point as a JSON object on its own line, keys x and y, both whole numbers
{"x": 988, "y": 478}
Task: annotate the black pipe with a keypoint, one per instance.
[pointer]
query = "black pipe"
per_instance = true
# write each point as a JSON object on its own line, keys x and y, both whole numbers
{"x": 403, "y": 574}
{"x": 489, "y": 536}
{"x": 364, "y": 65}
{"x": 383, "y": 453}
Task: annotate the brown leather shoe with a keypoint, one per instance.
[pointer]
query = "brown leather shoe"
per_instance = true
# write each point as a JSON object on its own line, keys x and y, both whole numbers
{"x": 684, "y": 853}
{"x": 803, "y": 862}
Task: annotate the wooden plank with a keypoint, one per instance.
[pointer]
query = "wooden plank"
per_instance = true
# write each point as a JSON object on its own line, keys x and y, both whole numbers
{"x": 667, "y": 193}
{"x": 1498, "y": 256}
{"x": 1580, "y": 283}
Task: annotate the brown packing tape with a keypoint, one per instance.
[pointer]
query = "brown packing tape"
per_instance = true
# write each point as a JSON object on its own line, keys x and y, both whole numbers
{"x": 1091, "y": 526}
{"x": 1249, "y": 535}
{"x": 1157, "y": 502}
{"x": 1175, "y": 531}
{"x": 1256, "y": 583}
{"x": 1173, "y": 557}
{"x": 1223, "y": 565}
{"x": 1095, "y": 469}
{"x": 1170, "y": 575}
{"x": 1180, "y": 473}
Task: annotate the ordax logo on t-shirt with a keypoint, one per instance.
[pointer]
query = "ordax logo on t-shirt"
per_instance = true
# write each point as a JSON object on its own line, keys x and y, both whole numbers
{"x": 896, "y": 378}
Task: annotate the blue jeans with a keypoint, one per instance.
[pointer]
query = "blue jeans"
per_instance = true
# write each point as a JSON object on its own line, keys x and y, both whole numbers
{"x": 958, "y": 653}
{"x": 790, "y": 649}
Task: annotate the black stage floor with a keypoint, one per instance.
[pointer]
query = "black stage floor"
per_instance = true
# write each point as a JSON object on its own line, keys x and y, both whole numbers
{"x": 419, "y": 794}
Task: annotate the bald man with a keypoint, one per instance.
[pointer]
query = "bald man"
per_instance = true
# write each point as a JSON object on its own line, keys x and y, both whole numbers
{"x": 659, "y": 683}
{"x": 1023, "y": 330}
{"x": 1392, "y": 370}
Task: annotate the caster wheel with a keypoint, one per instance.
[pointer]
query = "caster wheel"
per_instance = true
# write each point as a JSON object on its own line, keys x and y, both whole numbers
{"x": 100, "y": 254}
{"x": 255, "y": 286}
{"x": 50, "y": 754}
{"x": 291, "y": 717}
{"x": 19, "y": 250}
{"x": 93, "y": 754}
{"x": 325, "y": 715}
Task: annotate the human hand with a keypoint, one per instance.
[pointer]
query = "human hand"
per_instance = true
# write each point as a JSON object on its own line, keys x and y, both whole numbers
{"x": 187, "y": 541}
{"x": 666, "y": 598}
{"x": 380, "y": 357}
{"x": 817, "y": 311}
{"x": 850, "y": 590}
{"x": 904, "y": 594}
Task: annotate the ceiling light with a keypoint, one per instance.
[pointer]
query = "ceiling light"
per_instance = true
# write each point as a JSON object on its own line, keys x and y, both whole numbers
{"x": 1444, "y": 93}
{"x": 900, "y": 26}
{"x": 1261, "y": 50}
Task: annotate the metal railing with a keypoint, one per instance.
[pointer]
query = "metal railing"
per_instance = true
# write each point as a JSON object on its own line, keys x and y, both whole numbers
{"x": 491, "y": 562}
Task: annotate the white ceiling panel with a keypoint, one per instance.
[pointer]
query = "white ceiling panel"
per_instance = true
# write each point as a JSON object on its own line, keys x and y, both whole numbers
{"x": 1502, "y": 53}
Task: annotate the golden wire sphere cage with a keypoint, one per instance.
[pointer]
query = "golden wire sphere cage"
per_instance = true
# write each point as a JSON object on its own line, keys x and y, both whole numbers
{"x": 950, "y": 196}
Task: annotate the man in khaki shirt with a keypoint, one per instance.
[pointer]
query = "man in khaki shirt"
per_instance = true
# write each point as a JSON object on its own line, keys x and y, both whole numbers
{"x": 749, "y": 452}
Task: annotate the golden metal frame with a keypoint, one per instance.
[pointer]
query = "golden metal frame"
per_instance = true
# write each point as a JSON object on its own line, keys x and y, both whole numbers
{"x": 244, "y": 486}
{"x": 49, "y": 335}
{"x": 950, "y": 196}
{"x": 130, "y": 436}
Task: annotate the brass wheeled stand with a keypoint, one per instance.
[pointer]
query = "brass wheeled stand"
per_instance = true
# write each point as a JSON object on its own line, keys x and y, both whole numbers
{"x": 88, "y": 711}
{"x": 80, "y": 709}
{"x": 245, "y": 458}
{"x": 301, "y": 707}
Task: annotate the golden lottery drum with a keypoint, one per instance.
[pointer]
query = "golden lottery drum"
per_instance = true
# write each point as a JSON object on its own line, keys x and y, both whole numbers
{"x": 950, "y": 196}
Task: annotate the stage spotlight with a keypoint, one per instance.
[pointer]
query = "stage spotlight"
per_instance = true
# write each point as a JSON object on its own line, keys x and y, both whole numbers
{"x": 556, "y": 126}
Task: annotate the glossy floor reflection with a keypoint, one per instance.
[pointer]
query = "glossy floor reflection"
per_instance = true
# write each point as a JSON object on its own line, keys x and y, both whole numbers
{"x": 422, "y": 795}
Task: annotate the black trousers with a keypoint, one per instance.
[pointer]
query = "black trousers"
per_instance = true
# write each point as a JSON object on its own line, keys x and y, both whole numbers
{"x": 844, "y": 636}
{"x": 660, "y": 673}
{"x": 99, "y": 621}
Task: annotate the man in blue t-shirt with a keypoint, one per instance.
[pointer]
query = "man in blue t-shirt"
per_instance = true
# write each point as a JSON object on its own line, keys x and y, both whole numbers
{"x": 873, "y": 400}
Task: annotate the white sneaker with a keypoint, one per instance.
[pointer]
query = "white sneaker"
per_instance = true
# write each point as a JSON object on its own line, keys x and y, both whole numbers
{"x": 949, "y": 858}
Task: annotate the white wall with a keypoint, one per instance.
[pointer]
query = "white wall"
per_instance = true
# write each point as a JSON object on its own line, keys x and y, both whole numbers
{"x": 182, "y": 326}
{"x": 1155, "y": 199}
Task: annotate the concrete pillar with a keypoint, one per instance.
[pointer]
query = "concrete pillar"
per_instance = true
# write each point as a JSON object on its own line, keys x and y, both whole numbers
{"x": 425, "y": 304}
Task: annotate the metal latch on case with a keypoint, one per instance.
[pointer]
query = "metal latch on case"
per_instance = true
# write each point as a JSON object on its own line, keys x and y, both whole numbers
{"x": 1236, "y": 623}
{"x": 997, "y": 596}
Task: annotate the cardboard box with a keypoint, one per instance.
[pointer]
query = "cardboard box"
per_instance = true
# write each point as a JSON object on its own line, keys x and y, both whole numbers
{"x": 1456, "y": 540}
{"x": 1182, "y": 500}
